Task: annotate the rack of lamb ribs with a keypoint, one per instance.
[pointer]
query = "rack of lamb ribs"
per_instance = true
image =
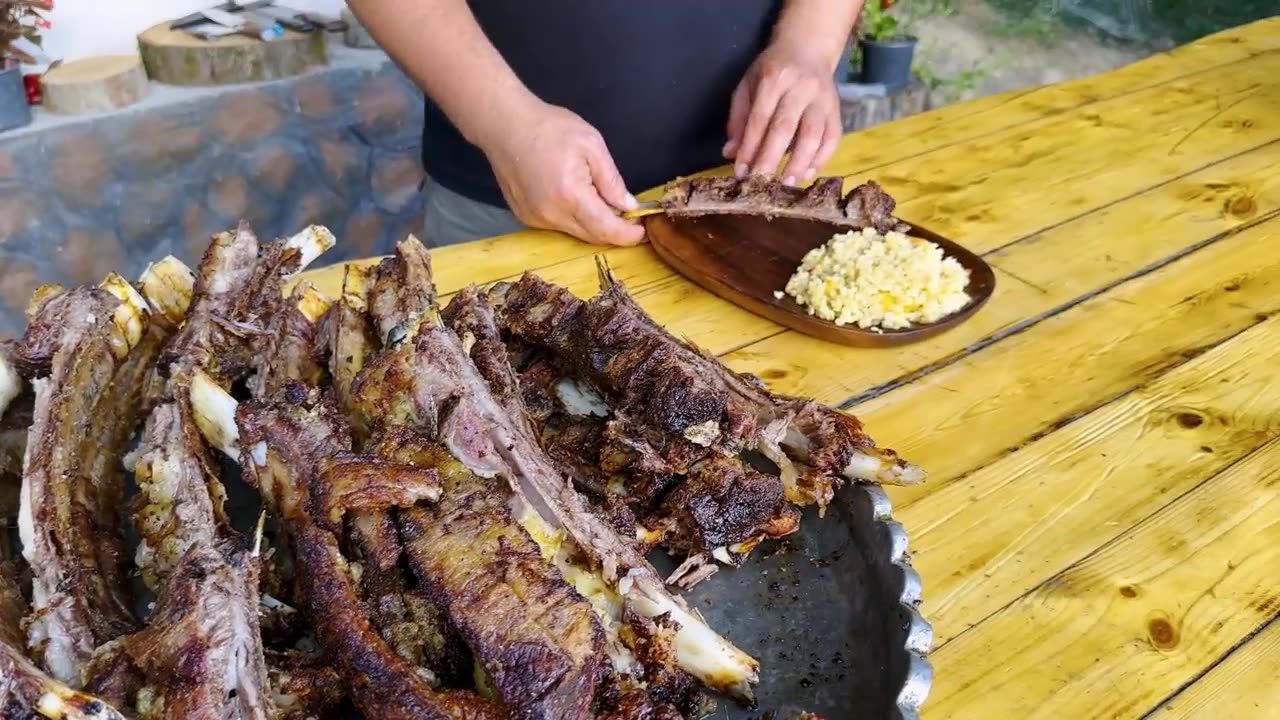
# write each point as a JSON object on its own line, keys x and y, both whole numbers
{"x": 865, "y": 206}
{"x": 457, "y": 503}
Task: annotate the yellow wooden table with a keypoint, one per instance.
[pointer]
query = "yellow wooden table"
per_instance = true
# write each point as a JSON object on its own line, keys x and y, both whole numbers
{"x": 1099, "y": 536}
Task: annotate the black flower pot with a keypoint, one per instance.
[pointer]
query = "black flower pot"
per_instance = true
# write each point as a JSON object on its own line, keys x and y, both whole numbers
{"x": 887, "y": 62}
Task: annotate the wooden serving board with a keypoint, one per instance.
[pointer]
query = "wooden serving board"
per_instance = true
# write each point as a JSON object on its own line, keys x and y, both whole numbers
{"x": 745, "y": 259}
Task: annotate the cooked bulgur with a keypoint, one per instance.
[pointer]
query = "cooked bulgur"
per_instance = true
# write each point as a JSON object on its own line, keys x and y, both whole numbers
{"x": 885, "y": 282}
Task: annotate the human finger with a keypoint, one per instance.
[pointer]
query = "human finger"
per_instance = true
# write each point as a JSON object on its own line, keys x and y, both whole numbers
{"x": 781, "y": 133}
{"x": 607, "y": 179}
{"x": 764, "y": 103}
{"x": 831, "y": 136}
{"x": 808, "y": 139}
{"x": 739, "y": 108}
{"x": 601, "y": 225}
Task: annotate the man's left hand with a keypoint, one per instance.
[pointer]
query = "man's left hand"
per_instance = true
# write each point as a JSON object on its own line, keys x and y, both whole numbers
{"x": 786, "y": 101}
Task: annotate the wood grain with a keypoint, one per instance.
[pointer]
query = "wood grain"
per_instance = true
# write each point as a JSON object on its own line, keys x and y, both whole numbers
{"x": 94, "y": 84}
{"x": 1114, "y": 634}
{"x": 1246, "y": 684}
{"x": 1084, "y": 484}
{"x": 746, "y": 259}
{"x": 179, "y": 58}
{"x": 1041, "y": 275}
{"x": 1035, "y": 381}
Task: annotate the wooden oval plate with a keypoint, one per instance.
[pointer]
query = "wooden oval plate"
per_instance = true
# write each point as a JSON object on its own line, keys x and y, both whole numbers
{"x": 745, "y": 259}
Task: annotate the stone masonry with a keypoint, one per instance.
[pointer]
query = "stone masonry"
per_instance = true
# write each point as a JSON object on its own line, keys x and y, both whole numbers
{"x": 338, "y": 146}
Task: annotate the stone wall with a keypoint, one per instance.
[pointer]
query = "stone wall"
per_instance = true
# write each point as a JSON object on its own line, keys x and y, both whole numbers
{"x": 339, "y": 146}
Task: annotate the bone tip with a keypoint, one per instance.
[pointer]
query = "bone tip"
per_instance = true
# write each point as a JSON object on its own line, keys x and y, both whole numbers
{"x": 311, "y": 243}
{"x": 215, "y": 413}
{"x": 131, "y": 317}
{"x": 905, "y": 473}
{"x": 258, "y": 532}
{"x": 168, "y": 285}
{"x": 311, "y": 302}
{"x": 10, "y": 383}
{"x": 355, "y": 284}
{"x": 42, "y": 294}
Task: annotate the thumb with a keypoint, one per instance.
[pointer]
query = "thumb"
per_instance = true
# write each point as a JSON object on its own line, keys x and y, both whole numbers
{"x": 608, "y": 181}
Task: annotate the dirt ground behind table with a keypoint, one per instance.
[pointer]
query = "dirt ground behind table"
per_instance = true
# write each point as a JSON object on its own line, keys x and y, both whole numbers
{"x": 983, "y": 50}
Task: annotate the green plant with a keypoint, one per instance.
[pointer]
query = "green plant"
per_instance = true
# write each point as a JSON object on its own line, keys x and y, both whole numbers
{"x": 21, "y": 20}
{"x": 877, "y": 23}
{"x": 951, "y": 89}
{"x": 887, "y": 20}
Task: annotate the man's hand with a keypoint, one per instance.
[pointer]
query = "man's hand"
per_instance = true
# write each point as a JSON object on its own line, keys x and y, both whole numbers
{"x": 786, "y": 101}
{"x": 556, "y": 173}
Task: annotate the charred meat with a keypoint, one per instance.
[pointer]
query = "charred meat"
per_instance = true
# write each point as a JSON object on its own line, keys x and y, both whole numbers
{"x": 865, "y": 206}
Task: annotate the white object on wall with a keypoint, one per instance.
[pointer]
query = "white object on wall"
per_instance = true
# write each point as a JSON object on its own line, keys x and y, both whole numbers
{"x": 110, "y": 27}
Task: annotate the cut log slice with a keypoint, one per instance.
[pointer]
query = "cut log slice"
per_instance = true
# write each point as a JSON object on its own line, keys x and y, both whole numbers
{"x": 178, "y": 58}
{"x": 94, "y": 84}
{"x": 864, "y": 111}
{"x": 356, "y": 35}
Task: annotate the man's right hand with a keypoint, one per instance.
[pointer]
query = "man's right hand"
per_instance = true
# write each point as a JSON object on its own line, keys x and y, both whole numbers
{"x": 556, "y": 173}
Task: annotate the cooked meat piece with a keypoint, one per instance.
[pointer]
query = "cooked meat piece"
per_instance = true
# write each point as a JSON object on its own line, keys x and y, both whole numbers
{"x": 224, "y": 273}
{"x": 867, "y": 205}
{"x": 725, "y": 503}
{"x": 349, "y": 482}
{"x": 410, "y": 622}
{"x": 654, "y": 382}
{"x": 240, "y": 287}
{"x": 202, "y": 650}
{"x": 538, "y": 640}
{"x": 25, "y": 691}
{"x": 290, "y": 347}
{"x": 180, "y": 500}
{"x": 80, "y": 598}
{"x": 471, "y": 317}
{"x": 283, "y": 447}
{"x": 113, "y": 676}
{"x": 401, "y": 294}
{"x": 380, "y": 682}
{"x": 428, "y": 382}
{"x": 639, "y": 706}
{"x": 352, "y": 342}
{"x": 305, "y": 687}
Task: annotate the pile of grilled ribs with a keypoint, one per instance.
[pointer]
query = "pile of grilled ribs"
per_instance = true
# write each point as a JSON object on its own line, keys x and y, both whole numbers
{"x": 456, "y": 503}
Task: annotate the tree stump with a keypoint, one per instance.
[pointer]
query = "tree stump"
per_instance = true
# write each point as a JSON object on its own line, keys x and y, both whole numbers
{"x": 863, "y": 110}
{"x": 177, "y": 58}
{"x": 356, "y": 35}
{"x": 93, "y": 85}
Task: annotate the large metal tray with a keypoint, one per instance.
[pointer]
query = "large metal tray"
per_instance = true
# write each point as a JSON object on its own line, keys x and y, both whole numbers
{"x": 831, "y": 614}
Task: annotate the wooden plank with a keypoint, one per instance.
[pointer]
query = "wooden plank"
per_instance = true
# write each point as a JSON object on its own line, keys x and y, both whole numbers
{"x": 1071, "y": 363}
{"x": 1246, "y": 684}
{"x": 979, "y": 193}
{"x": 1058, "y": 266}
{"x": 1117, "y": 632}
{"x": 485, "y": 261}
{"x": 988, "y": 538}
{"x": 955, "y": 124}
{"x": 489, "y": 260}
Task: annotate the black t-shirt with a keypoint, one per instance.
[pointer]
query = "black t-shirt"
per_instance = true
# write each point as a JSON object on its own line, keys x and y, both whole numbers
{"x": 654, "y": 78}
